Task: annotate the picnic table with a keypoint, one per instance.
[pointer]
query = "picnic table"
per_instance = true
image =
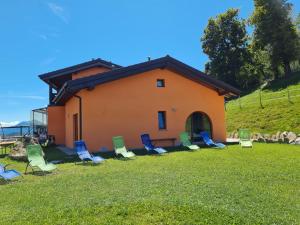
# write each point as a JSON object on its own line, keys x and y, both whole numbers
{"x": 5, "y": 144}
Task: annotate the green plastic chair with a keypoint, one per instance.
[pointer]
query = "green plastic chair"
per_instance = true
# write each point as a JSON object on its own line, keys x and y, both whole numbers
{"x": 120, "y": 148}
{"x": 245, "y": 138}
{"x": 185, "y": 140}
{"x": 36, "y": 160}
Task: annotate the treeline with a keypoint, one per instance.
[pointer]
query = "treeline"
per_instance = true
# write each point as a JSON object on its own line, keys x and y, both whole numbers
{"x": 245, "y": 60}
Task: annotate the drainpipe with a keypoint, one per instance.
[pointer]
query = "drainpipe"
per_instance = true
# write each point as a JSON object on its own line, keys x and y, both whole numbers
{"x": 80, "y": 115}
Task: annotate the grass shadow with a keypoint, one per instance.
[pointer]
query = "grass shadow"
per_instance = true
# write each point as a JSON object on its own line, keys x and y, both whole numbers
{"x": 283, "y": 83}
{"x": 54, "y": 154}
{"x": 6, "y": 182}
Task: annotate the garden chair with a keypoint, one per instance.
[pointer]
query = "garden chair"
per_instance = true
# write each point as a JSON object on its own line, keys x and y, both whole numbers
{"x": 8, "y": 174}
{"x": 36, "y": 160}
{"x": 208, "y": 141}
{"x": 149, "y": 146}
{"x": 185, "y": 140}
{"x": 84, "y": 154}
{"x": 120, "y": 148}
{"x": 245, "y": 138}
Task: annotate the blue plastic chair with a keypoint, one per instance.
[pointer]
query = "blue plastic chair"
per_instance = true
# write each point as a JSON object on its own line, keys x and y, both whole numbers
{"x": 208, "y": 141}
{"x": 84, "y": 154}
{"x": 8, "y": 174}
{"x": 149, "y": 146}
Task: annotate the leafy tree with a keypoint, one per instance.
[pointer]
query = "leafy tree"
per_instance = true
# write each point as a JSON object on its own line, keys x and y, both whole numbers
{"x": 298, "y": 23}
{"x": 225, "y": 43}
{"x": 274, "y": 31}
{"x": 256, "y": 70}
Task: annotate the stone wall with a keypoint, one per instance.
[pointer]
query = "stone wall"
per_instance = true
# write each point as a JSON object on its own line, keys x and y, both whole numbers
{"x": 288, "y": 137}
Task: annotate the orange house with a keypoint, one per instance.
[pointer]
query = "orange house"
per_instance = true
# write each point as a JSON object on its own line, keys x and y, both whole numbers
{"x": 97, "y": 100}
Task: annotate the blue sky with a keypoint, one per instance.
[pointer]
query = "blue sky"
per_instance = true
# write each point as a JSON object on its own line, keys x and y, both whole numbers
{"x": 41, "y": 36}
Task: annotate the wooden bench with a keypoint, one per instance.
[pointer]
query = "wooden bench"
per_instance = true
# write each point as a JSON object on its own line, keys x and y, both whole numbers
{"x": 156, "y": 140}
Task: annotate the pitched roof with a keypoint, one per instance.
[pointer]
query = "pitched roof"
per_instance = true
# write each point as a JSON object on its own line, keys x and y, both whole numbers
{"x": 58, "y": 74}
{"x": 73, "y": 86}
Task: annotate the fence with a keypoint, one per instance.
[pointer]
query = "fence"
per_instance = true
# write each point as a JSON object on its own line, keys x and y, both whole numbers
{"x": 14, "y": 131}
{"x": 261, "y": 98}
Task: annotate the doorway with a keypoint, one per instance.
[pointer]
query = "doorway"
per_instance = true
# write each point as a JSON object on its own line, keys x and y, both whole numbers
{"x": 196, "y": 123}
{"x": 75, "y": 127}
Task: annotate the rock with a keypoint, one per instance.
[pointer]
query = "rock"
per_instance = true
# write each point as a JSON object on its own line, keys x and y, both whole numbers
{"x": 291, "y": 137}
{"x": 232, "y": 134}
{"x": 278, "y": 135}
{"x": 260, "y": 138}
{"x": 274, "y": 138}
{"x": 267, "y": 138}
{"x": 18, "y": 152}
{"x": 235, "y": 135}
{"x": 254, "y": 137}
{"x": 297, "y": 141}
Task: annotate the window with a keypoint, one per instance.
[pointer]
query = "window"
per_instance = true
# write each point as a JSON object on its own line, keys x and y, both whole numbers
{"x": 160, "y": 83}
{"x": 162, "y": 125}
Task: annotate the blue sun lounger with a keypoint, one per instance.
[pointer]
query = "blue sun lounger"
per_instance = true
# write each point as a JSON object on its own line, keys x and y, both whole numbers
{"x": 208, "y": 141}
{"x": 149, "y": 146}
{"x": 8, "y": 174}
{"x": 84, "y": 154}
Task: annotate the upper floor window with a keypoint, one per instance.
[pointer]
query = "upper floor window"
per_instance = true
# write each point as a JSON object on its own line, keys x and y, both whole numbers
{"x": 160, "y": 83}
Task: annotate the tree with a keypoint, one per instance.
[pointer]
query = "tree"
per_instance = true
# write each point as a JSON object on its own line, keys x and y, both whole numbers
{"x": 225, "y": 43}
{"x": 256, "y": 70}
{"x": 274, "y": 31}
{"x": 298, "y": 23}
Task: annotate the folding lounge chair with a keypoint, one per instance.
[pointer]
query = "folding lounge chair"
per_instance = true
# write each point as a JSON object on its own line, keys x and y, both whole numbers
{"x": 185, "y": 140}
{"x": 120, "y": 148}
{"x": 84, "y": 154}
{"x": 208, "y": 141}
{"x": 245, "y": 138}
{"x": 36, "y": 160}
{"x": 149, "y": 146}
{"x": 8, "y": 174}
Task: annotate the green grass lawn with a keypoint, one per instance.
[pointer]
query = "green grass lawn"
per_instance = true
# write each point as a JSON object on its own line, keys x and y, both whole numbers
{"x": 232, "y": 186}
{"x": 276, "y": 115}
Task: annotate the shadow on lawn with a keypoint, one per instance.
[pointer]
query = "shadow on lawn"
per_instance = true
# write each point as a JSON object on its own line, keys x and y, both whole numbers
{"x": 283, "y": 83}
{"x": 54, "y": 154}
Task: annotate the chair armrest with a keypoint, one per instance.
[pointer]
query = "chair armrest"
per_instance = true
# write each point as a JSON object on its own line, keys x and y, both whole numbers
{"x": 6, "y": 166}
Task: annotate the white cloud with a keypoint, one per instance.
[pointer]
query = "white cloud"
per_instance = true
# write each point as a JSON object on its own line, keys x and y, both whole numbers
{"x": 9, "y": 124}
{"x": 43, "y": 36}
{"x": 32, "y": 97}
{"x": 59, "y": 11}
{"x": 48, "y": 61}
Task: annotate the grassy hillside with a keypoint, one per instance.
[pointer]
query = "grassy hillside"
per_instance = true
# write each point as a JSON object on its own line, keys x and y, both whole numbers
{"x": 277, "y": 113}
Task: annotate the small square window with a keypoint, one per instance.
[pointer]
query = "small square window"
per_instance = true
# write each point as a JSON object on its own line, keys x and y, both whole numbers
{"x": 160, "y": 83}
{"x": 162, "y": 124}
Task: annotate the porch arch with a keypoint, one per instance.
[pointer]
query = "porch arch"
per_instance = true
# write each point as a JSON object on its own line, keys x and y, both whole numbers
{"x": 197, "y": 122}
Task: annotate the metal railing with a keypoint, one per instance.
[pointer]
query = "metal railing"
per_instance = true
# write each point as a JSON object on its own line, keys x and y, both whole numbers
{"x": 14, "y": 131}
{"x": 260, "y": 98}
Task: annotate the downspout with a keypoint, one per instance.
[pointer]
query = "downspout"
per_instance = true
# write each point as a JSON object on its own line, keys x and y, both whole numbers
{"x": 80, "y": 115}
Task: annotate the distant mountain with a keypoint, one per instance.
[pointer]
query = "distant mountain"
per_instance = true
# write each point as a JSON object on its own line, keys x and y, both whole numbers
{"x": 12, "y": 129}
{"x": 24, "y": 123}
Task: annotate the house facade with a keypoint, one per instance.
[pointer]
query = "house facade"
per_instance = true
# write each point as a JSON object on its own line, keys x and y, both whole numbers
{"x": 97, "y": 100}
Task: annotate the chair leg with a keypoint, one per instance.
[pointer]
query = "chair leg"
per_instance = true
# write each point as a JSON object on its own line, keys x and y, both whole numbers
{"x": 26, "y": 168}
